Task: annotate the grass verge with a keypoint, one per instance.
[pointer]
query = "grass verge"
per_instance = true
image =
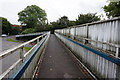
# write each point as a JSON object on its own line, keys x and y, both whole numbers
{"x": 27, "y": 48}
{"x": 11, "y": 40}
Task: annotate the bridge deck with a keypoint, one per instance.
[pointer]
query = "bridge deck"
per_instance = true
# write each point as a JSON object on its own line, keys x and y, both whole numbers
{"x": 58, "y": 63}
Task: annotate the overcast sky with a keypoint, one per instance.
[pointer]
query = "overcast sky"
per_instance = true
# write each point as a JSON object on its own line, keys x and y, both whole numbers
{"x": 54, "y": 8}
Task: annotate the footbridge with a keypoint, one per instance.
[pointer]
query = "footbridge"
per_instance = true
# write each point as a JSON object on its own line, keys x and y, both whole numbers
{"x": 29, "y": 36}
{"x": 88, "y": 51}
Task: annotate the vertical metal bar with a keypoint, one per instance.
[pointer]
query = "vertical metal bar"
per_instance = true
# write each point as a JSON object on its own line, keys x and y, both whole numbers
{"x": 75, "y": 33}
{"x": 86, "y": 41}
{"x": 69, "y": 32}
{"x": 42, "y": 36}
{"x": 117, "y": 51}
{"x": 37, "y": 40}
{"x": 22, "y": 53}
{"x": 118, "y": 37}
{"x": 63, "y": 31}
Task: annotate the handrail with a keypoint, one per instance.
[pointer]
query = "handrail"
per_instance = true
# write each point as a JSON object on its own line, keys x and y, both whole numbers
{"x": 102, "y": 54}
{"x": 30, "y": 34}
{"x": 117, "y": 46}
{"x": 9, "y": 51}
{"x": 23, "y": 57}
{"x": 111, "y": 44}
{"x": 26, "y": 63}
{"x": 8, "y": 70}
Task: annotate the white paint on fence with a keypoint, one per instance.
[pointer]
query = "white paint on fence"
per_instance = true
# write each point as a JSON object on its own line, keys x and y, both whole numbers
{"x": 104, "y": 35}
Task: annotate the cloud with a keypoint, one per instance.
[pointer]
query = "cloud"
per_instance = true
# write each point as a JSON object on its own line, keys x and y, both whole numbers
{"x": 54, "y": 8}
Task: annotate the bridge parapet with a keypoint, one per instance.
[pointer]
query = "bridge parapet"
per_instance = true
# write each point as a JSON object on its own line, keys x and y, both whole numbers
{"x": 97, "y": 45}
{"x": 25, "y": 66}
{"x": 104, "y": 35}
{"x": 100, "y": 63}
{"x": 31, "y": 34}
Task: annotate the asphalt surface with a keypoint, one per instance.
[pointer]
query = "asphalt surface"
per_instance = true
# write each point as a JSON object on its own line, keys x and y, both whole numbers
{"x": 7, "y": 44}
{"x": 58, "y": 63}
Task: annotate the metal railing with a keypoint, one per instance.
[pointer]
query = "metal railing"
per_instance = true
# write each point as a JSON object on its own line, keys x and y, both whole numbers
{"x": 101, "y": 64}
{"x": 30, "y": 34}
{"x": 103, "y": 35}
{"x": 24, "y": 67}
{"x": 116, "y": 46}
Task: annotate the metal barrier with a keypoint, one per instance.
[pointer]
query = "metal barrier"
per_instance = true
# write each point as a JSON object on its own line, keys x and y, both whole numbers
{"x": 101, "y": 64}
{"x": 97, "y": 45}
{"x": 31, "y": 34}
{"x": 25, "y": 66}
{"x": 104, "y": 35}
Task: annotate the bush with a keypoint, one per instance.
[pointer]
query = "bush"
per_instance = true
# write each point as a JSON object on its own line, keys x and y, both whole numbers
{"x": 29, "y": 30}
{"x": 15, "y": 30}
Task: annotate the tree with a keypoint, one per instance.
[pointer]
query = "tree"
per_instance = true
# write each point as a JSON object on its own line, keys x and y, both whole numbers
{"x": 15, "y": 30}
{"x": 112, "y": 9}
{"x": 6, "y": 26}
{"x": 32, "y": 16}
{"x": 29, "y": 30}
{"x": 87, "y": 18}
{"x": 54, "y": 25}
{"x": 72, "y": 23}
{"x": 63, "y": 22}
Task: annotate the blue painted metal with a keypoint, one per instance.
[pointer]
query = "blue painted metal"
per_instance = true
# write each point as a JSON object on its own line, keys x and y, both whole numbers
{"x": 17, "y": 75}
{"x": 104, "y": 55}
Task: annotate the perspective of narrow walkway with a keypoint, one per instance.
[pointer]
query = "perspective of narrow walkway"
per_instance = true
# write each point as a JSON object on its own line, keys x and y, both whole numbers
{"x": 58, "y": 63}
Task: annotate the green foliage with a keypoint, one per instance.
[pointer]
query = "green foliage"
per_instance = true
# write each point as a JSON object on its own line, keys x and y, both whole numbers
{"x": 15, "y": 30}
{"x": 11, "y": 40}
{"x": 54, "y": 25}
{"x": 32, "y": 16}
{"x": 112, "y": 9}
{"x": 27, "y": 48}
{"x": 6, "y": 26}
{"x": 40, "y": 28}
{"x": 87, "y": 18}
{"x": 72, "y": 23}
{"x": 62, "y": 22}
{"x": 29, "y": 30}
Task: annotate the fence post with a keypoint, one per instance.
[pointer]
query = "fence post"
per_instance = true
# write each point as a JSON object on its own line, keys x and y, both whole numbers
{"x": 63, "y": 31}
{"x": 117, "y": 52}
{"x": 69, "y": 32}
{"x": 22, "y": 53}
{"x": 86, "y": 41}
{"x": 37, "y": 40}
{"x": 74, "y": 33}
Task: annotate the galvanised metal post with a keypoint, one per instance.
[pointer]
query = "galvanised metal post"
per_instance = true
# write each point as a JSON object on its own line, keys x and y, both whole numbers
{"x": 37, "y": 40}
{"x": 86, "y": 41}
{"x": 22, "y": 53}
{"x": 74, "y": 32}
{"x": 69, "y": 32}
{"x": 117, "y": 51}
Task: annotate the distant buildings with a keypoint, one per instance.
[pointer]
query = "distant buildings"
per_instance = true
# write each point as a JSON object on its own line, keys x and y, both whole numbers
{"x": 20, "y": 27}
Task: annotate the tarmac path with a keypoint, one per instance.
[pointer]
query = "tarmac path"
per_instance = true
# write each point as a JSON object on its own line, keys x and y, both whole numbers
{"x": 58, "y": 63}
